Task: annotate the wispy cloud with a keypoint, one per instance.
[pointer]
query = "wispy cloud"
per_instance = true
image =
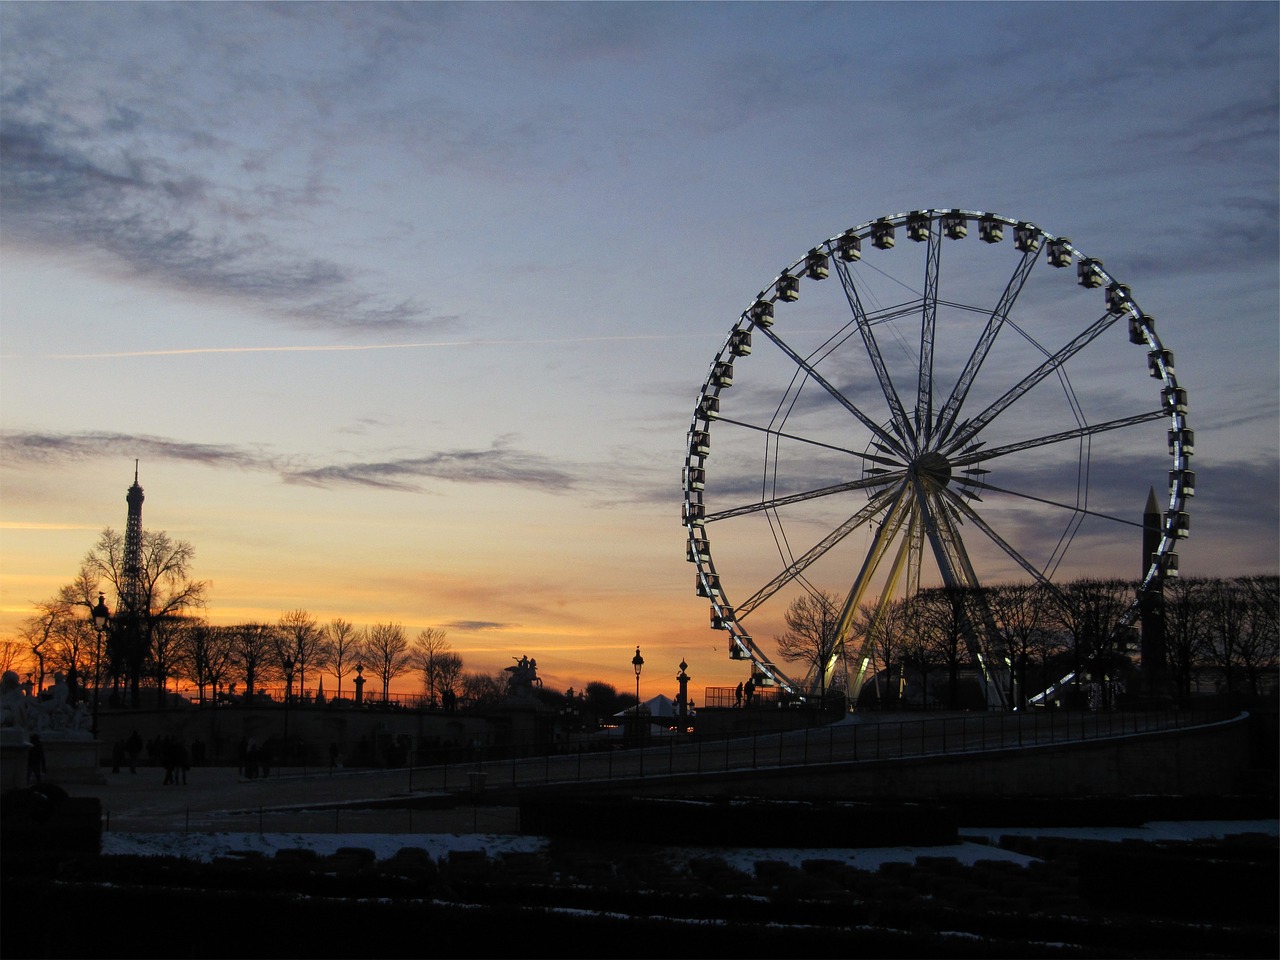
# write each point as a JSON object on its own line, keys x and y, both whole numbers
{"x": 50, "y": 448}
{"x": 501, "y": 463}
{"x": 74, "y": 186}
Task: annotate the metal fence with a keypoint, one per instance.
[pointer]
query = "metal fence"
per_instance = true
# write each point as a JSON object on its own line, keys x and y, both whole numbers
{"x": 856, "y": 740}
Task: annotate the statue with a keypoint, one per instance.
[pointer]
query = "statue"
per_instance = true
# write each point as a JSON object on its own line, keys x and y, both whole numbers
{"x": 55, "y": 714}
{"x": 13, "y": 702}
{"x": 524, "y": 676}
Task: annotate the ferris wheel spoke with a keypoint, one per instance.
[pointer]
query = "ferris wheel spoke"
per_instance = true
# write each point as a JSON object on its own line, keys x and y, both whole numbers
{"x": 839, "y": 397}
{"x": 951, "y": 409}
{"x": 970, "y": 429}
{"x": 867, "y": 483}
{"x": 944, "y": 539}
{"x": 977, "y": 520}
{"x": 928, "y": 323}
{"x": 778, "y": 434}
{"x": 897, "y": 412}
{"x": 1073, "y": 508}
{"x": 1087, "y": 430}
{"x": 902, "y": 510}
{"x": 876, "y": 505}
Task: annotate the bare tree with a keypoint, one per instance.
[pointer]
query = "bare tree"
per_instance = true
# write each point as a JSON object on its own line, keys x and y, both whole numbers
{"x": 886, "y": 631}
{"x": 1186, "y": 629}
{"x": 434, "y": 658}
{"x": 945, "y": 617}
{"x": 812, "y": 638}
{"x": 13, "y": 654}
{"x": 205, "y": 655}
{"x": 301, "y": 641}
{"x": 1089, "y": 611}
{"x": 166, "y": 589}
{"x": 344, "y": 648}
{"x": 1020, "y": 612}
{"x": 917, "y": 649}
{"x": 253, "y": 648}
{"x": 1257, "y": 653}
{"x": 389, "y": 653}
{"x": 1227, "y": 610}
{"x": 484, "y": 689}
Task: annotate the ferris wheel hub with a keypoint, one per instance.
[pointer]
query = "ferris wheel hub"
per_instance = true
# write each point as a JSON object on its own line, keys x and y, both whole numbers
{"x": 933, "y": 467}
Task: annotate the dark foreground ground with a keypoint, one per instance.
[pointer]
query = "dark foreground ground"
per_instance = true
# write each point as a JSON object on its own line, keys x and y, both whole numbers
{"x": 587, "y": 895}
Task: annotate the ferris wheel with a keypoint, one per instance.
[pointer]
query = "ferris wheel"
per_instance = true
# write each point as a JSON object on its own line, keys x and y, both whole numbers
{"x": 952, "y": 411}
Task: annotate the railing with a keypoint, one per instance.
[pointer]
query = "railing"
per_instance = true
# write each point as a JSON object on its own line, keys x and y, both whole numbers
{"x": 840, "y": 743}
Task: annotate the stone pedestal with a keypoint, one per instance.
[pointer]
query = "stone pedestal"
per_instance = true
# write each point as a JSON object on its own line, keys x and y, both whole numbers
{"x": 72, "y": 760}
{"x": 13, "y": 759}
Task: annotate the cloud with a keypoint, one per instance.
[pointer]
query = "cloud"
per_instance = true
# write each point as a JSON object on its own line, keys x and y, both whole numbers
{"x": 501, "y": 463}
{"x": 498, "y": 464}
{"x": 475, "y": 626}
{"x": 27, "y": 448}
{"x": 72, "y": 186}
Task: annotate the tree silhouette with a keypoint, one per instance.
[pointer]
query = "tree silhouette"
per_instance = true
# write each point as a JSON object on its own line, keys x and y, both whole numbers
{"x": 813, "y": 621}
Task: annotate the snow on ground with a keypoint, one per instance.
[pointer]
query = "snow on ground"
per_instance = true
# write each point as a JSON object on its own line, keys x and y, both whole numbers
{"x": 976, "y": 844}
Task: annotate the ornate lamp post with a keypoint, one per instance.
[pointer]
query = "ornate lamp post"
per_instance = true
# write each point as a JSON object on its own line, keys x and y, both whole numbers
{"x": 638, "y": 662}
{"x": 101, "y": 615}
{"x": 288, "y": 696}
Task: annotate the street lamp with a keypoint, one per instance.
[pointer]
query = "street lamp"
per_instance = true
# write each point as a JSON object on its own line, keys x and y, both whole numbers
{"x": 288, "y": 695}
{"x": 638, "y": 662}
{"x": 100, "y": 615}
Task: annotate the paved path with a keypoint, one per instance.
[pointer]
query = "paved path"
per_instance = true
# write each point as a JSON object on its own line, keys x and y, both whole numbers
{"x": 219, "y": 799}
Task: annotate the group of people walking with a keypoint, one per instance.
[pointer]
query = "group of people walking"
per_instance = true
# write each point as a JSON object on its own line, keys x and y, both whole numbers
{"x": 169, "y": 752}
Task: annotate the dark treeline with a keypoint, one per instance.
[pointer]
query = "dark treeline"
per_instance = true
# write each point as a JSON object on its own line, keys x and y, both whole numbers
{"x": 1222, "y": 635}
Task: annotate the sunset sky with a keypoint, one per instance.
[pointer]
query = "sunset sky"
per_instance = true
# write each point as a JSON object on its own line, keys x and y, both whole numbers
{"x": 404, "y": 309}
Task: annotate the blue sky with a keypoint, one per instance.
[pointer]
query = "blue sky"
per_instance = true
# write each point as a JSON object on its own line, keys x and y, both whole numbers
{"x": 404, "y": 308}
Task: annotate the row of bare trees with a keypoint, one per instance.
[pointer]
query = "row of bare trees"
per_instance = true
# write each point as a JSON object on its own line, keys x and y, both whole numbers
{"x": 165, "y": 637}
{"x": 1032, "y": 635}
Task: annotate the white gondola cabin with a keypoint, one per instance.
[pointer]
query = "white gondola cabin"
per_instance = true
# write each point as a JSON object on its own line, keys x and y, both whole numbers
{"x": 1117, "y": 297}
{"x": 1174, "y": 399}
{"x": 1026, "y": 238}
{"x": 1187, "y": 479}
{"x": 816, "y": 265}
{"x": 762, "y": 313}
{"x": 1089, "y": 273}
{"x": 1059, "y": 252}
{"x": 918, "y": 226}
{"x": 1158, "y": 362}
{"x": 740, "y": 342}
{"x": 788, "y": 288}
{"x": 882, "y": 234}
{"x": 849, "y": 247}
{"x": 990, "y": 230}
{"x": 694, "y": 513}
{"x": 955, "y": 225}
{"x": 1183, "y": 440}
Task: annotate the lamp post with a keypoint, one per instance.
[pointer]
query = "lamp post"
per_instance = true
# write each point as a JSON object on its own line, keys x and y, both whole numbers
{"x": 288, "y": 696}
{"x": 100, "y": 615}
{"x": 638, "y": 662}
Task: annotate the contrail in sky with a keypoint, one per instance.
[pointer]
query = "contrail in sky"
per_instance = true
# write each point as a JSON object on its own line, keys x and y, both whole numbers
{"x": 186, "y": 351}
